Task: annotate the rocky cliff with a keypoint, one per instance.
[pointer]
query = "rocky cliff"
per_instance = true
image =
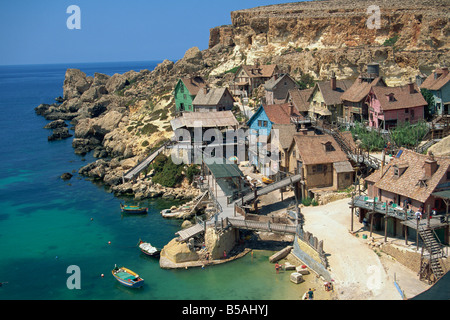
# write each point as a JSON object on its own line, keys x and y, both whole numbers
{"x": 319, "y": 36}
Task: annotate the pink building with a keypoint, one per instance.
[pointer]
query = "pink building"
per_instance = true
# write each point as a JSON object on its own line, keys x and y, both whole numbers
{"x": 389, "y": 106}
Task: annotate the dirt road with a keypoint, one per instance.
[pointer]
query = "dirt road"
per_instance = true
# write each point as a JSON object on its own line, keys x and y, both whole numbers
{"x": 358, "y": 271}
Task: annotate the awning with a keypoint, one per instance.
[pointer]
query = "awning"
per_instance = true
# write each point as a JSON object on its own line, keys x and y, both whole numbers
{"x": 442, "y": 194}
{"x": 322, "y": 111}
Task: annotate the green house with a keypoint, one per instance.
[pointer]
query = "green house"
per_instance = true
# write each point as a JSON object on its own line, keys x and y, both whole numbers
{"x": 185, "y": 92}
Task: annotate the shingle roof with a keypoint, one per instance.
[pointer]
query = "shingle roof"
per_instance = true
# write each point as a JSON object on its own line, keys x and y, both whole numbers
{"x": 408, "y": 183}
{"x": 437, "y": 79}
{"x": 402, "y": 98}
{"x": 272, "y": 82}
{"x": 280, "y": 113}
{"x": 205, "y": 120}
{"x": 265, "y": 71}
{"x": 311, "y": 149}
{"x": 300, "y": 98}
{"x": 360, "y": 89}
{"x": 193, "y": 84}
{"x": 285, "y": 134}
{"x": 211, "y": 98}
{"x": 330, "y": 96}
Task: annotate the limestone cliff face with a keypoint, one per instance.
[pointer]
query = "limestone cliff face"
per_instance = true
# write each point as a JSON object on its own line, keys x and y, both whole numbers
{"x": 320, "y": 36}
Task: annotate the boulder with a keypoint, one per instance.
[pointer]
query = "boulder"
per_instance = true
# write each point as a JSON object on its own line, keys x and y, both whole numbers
{"x": 116, "y": 82}
{"x": 296, "y": 278}
{"x": 56, "y": 124}
{"x": 59, "y": 134}
{"x": 178, "y": 252}
{"x": 66, "y": 176}
{"x": 75, "y": 84}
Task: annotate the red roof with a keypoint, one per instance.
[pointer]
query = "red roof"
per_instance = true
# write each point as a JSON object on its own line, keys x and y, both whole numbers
{"x": 392, "y": 98}
{"x": 281, "y": 113}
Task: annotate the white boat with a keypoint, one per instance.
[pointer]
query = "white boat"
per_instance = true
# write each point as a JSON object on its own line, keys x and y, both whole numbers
{"x": 148, "y": 249}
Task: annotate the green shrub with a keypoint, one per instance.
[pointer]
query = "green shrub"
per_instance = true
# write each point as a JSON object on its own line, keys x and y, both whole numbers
{"x": 409, "y": 135}
{"x": 149, "y": 128}
{"x": 145, "y": 143}
{"x": 307, "y": 202}
{"x": 391, "y": 41}
{"x": 167, "y": 173}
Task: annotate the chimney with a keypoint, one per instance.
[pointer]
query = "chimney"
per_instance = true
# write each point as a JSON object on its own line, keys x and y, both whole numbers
{"x": 430, "y": 165}
{"x": 412, "y": 90}
{"x": 205, "y": 89}
{"x": 291, "y": 108}
{"x": 333, "y": 80}
{"x": 444, "y": 71}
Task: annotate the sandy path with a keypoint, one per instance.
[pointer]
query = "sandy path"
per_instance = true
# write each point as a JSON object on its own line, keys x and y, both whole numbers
{"x": 357, "y": 270}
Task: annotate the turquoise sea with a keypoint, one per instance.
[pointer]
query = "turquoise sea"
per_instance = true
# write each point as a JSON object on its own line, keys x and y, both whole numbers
{"x": 47, "y": 225}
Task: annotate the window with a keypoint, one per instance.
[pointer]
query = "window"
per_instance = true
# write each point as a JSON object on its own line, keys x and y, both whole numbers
{"x": 448, "y": 175}
{"x": 264, "y": 123}
{"x": 319, "y": 168}
{"x": 347, "y": 176}
{"x": 182, "y": 89}
{"x": 259, "y": 123}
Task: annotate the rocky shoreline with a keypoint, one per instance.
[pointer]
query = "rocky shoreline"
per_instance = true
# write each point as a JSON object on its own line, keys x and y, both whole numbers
{"x": 101, "y": 110}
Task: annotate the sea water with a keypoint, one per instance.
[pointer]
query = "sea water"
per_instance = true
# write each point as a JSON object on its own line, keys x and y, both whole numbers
{"x": 48, "y": 225}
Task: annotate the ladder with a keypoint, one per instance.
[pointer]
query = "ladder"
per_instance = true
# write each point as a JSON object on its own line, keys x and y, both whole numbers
{"x": 434, "y": 248}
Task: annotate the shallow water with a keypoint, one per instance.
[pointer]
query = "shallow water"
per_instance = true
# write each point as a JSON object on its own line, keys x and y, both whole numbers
{"x": 47, "y": 224}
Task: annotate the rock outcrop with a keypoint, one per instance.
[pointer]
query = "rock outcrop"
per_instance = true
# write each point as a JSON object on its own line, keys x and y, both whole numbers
{"x": 316, "y": 37}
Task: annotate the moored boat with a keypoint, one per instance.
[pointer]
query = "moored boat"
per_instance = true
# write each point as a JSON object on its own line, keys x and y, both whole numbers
{"x": 133, "y": 209}
{"x": 148, "y": 249}
{"x": 127, "y": 277}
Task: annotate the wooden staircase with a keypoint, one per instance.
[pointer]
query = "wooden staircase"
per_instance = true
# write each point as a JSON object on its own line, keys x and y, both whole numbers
{"x": 431, "y": 269}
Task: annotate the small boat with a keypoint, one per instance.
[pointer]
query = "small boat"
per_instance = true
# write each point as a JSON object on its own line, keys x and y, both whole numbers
{"x": 148, "y": 249}
{"x": 127, "y": 277}
{"x": 165, "y": 211}
{"x": 133, "y": 209}
{"x": 267, "y": 180}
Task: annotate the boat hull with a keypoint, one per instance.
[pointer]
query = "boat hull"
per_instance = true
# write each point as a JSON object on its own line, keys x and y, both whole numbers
{"x": 153, "y": 253}
{"x": 133, "y": 210}
{"x": 127, "y": 278}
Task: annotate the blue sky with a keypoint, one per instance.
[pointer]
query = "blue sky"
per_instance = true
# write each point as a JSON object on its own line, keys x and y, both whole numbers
{"x": 35, "y": 31}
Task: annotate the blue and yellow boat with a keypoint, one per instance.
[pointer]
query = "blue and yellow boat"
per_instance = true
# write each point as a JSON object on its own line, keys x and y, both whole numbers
{"x": 127, "y": 277}
{"x": 133, "y": 209}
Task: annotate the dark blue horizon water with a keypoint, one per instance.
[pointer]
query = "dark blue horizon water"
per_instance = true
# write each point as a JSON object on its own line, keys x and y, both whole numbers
{"x": 46, "y": 226}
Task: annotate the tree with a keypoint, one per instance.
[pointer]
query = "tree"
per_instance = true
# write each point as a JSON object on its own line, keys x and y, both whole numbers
{"x": 429, "y": 98}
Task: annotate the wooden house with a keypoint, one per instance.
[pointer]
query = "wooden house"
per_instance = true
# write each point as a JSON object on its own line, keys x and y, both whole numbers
{"x": 260, "y": 124}
{"x": 389, "y": 106}
{"x": 276, "y": 89}
{"x": 438, "y": 83}
{"x": 213, "y": 99}
{"x": 410, "y": 182}
{"x": 321, "y": 162}
{"x": 185, "y": 92}
{"x": 325, "y": 100}
{"x": 250, "y": 77}
{"x": 354, "y": 98}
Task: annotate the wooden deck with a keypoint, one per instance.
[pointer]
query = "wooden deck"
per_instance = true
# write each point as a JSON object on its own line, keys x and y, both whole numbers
{"x": 397, "y": 212}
